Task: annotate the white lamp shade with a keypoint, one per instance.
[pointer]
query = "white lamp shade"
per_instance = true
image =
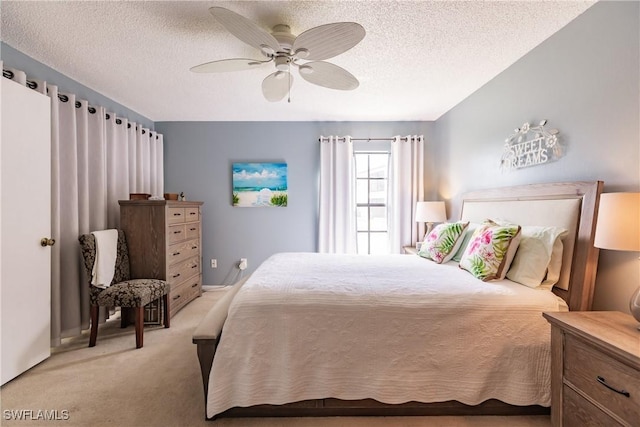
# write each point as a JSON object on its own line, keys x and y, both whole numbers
{"x": 618, "y": 225}
{"x": 430, "y": 212}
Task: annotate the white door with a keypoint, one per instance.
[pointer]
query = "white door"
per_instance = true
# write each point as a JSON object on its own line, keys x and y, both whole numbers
{"x": 25, "y": 219}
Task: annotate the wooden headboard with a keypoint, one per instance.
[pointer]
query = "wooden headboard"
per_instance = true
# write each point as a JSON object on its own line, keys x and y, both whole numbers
{"x": 570, "y": 205}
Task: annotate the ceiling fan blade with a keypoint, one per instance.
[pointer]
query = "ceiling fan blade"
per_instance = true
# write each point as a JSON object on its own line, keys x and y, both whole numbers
{"x": 276, "y": 86}
{"x": 245, "y": 29}
{"x": 328, "y": 75}
{"x": 224, "y": 65}
{"x": 329, "y": 40}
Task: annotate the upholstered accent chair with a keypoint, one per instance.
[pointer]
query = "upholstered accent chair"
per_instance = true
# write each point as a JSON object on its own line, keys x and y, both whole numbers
{"x": 124, "y": 292}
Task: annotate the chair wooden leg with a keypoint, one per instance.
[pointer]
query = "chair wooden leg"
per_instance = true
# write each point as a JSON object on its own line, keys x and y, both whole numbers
{"x": 139, "y": 325}
{"x": 94, "y": 325}
{"x": 125, "y": 317}
{"x": 167, "y": 317}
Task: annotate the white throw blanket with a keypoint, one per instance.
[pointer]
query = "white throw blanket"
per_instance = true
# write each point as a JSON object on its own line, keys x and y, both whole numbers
{"x": 105, "y": 262}
{"x": 394, "y": 328}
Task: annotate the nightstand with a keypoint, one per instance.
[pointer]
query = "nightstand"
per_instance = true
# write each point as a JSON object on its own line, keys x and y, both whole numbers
{"x": 595, "y": 369}
{"x": 411, "y": 250}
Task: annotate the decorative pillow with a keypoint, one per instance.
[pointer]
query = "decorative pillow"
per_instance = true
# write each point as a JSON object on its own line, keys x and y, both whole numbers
{"x": 441, "y": 244}
{"x": 491, "y": 250}
{"x": 465, "y": 240}
{"x": 555, "y": 264}
{"x": 532, "y": 259}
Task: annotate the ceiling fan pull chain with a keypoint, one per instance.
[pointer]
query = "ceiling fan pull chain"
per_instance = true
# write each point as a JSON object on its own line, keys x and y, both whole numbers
{"x": 289, "y": 97}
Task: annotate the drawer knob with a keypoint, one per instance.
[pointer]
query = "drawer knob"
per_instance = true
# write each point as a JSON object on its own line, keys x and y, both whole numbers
{"x": 194, "y": 285}
{"x": 176, "y": 253}
{"x": 192, "y": 229}
{"x": 176, "y": 275}
{"x": 177, "y": 232}
{"x": 604, "y": 383}
{"x": 177, "y": 214}
{"x": 176, "y": 297}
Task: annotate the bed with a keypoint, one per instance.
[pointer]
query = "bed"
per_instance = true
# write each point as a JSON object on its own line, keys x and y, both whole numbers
{"x": 323, "y": 334}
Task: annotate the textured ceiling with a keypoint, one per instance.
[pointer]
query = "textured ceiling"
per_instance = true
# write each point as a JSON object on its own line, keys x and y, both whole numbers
{"x": 417, "y": 60}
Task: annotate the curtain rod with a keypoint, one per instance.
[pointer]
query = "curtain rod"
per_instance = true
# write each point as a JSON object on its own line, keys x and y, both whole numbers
{"x": 364, "y": 139}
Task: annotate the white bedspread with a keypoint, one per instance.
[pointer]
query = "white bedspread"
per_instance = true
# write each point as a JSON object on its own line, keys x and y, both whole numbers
{"x": 394, "y": 328}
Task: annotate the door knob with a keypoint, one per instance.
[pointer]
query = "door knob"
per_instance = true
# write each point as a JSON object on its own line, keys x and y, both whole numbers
{"x": 47, "y": 242}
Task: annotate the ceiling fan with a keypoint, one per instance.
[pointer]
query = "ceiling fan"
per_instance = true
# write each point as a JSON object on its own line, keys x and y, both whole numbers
{"x": 305, "y": 52}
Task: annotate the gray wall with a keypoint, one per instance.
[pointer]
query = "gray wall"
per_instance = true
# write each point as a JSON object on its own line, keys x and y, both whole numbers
{"x": 585, "y": 81}
{"x": 13, "y": 58}
{"x": 198, "y": 158}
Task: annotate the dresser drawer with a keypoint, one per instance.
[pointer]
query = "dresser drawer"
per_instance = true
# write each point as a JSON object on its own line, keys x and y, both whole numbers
{"x": 184, "y": 293}
{"x": 193, "y": 230}
{"x": 175, "y": 215}
{"x": 192, "y": 247}
{"x": 192, "y": 214}
{"x": 586, "y": 368}
{"x": 180, "y": 272}
{"x": 179, "y": 298}
{"x": 578, "y": 412}
{"x": 195, "y": 287}
{"x": 176, "y": 233}
{"x": 183, "y": 250}
{"x": 178, "y": 252}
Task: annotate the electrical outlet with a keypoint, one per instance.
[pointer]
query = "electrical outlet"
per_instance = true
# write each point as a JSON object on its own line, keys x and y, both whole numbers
{"x": 214, "y": 263}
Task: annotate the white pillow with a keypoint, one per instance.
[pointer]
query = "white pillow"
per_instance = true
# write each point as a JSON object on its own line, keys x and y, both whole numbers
{"x": 539, "y": 246}
{"x": 555, "y": 265}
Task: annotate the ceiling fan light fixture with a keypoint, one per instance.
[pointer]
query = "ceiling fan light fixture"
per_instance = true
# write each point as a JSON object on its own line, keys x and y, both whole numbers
{"x": 280, "y": 75}
{"x": 282, "y": 63}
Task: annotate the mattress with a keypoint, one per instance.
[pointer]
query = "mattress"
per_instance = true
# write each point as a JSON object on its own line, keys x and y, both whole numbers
{"x": 394, "y": 328}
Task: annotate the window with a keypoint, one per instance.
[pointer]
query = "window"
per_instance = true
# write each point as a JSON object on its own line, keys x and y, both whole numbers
{"x": 372, "y": 179}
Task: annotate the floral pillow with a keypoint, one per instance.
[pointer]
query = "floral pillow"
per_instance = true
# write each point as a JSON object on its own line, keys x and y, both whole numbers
{"x": 465, "y": 240}
{"x": 441, "y": 244}
{"x": 491, "y": 250}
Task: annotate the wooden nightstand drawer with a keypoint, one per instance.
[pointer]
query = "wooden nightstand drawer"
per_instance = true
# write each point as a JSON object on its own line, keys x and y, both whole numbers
{"x": 590, "y": 371}
{"x": 579, "y": 413}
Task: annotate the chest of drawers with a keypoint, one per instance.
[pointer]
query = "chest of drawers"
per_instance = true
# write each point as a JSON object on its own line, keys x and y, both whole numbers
{"x": 595, "y": 377}
{"x": 165, "y": 242}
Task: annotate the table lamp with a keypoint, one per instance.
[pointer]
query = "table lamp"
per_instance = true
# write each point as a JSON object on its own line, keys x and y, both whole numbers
{"x": 430, "y": 212}
{"x": 618, "y": 228}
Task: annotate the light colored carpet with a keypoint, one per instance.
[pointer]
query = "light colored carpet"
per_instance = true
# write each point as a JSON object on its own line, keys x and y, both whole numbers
{"x": 113, "y": 384}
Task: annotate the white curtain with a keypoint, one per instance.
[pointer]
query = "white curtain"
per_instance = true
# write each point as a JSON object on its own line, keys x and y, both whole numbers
{"x": 337, "y": 224}
{"x": 406, "y": 188}
{"x": 96, "y": 160}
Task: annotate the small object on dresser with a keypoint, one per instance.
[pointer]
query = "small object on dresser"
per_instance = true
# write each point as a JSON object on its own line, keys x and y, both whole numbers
{"x": 171, "y": 196}
{"x": 182, "y": 197}
{"x": 139, "y": 196}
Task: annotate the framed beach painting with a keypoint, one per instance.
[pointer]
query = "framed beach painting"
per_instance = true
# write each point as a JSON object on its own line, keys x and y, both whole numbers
{"x": 260, "y": 184}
